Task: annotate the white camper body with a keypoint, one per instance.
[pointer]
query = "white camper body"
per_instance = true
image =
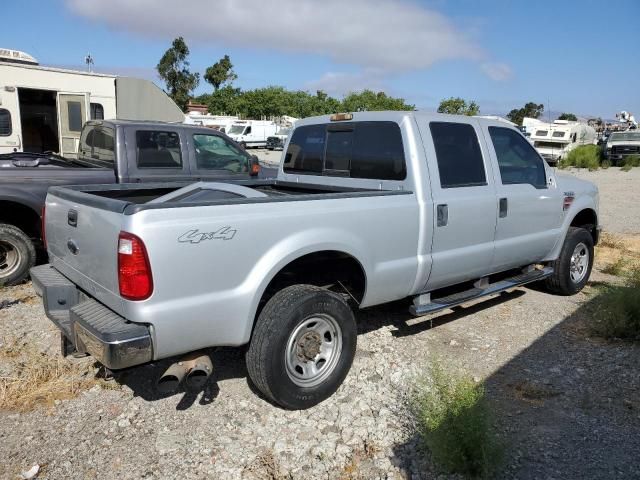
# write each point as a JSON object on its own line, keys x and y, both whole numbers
{"x": 252, "y": 133}
{"x": 43, "y": 108}
{"x": 555, "y": 140}
{"x": 217, "y": 122}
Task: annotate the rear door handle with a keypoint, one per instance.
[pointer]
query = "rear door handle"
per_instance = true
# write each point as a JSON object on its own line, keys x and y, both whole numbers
{"x": 442, "y": 215}
{"x": 504, "y": 207}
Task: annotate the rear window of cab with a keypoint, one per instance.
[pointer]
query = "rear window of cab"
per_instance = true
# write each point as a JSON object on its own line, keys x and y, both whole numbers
{"x": 371, "y": 150}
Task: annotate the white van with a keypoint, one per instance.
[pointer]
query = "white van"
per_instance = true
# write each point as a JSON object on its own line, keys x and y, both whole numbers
{"x": 42, "y": 109}
{"x": 252, "y": 133}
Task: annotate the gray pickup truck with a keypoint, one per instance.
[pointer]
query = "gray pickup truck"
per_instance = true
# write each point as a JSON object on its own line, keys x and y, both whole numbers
{"x": 115, "y": 151}
{"x": 367, "y": 208}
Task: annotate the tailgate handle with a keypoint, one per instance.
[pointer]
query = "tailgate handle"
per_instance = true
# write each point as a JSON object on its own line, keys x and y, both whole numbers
{"x": 72, "y": 218}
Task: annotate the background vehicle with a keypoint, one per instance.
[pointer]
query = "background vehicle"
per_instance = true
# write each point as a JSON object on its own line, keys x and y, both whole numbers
{"x": 252, "y": 133}
{"x": 217, "y": 122}
{"x": 555, "y": 140}
{"x": 113, "y": 151}
{"x": 622, "y": 144}
{"x": 277, "y": 141}
{"x": 43, "y": 109}
{"x": 368, "y": 208}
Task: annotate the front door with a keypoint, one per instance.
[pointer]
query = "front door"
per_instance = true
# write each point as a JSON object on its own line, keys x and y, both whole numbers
{"x": 530, "y": 205}
{"x": 72, "y": 113}
{"x": 464, "y": 210}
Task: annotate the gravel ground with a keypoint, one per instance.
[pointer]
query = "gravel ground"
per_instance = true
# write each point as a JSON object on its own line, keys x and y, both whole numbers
{"x": 567, "y": 405}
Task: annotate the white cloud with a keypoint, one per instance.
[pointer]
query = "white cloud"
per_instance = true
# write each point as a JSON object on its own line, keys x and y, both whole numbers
{"x": 340, "y": 83}
{"x": 499, "y": 72}
{"x": 385, "y": 35}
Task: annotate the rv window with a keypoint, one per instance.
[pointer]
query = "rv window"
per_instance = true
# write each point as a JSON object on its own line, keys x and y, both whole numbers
{"x": 5, "y": 122}
{"x": 541, "y": 133}
{"x": 558, "y": 134}
{"x": 215, "y": 153}
{"x": 517, "y": 159}
{"x": 96, "y": 111}
{"x": 460, "y": 162}
{"x": 74, "y": 109}
{"x": 574, "y": 137}
{"x": 158, "y": 149}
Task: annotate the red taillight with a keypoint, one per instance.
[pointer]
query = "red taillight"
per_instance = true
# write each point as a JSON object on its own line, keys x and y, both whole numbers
{"x": 44, "y": 236}
{"x": 134, "y": 271}
{"x": 255, "y": 169}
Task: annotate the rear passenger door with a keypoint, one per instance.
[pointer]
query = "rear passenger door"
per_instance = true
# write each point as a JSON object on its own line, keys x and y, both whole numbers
{"x": 530, "y": 206}
{"x": 464, "y": 210}
{"x": 156, "y": 154}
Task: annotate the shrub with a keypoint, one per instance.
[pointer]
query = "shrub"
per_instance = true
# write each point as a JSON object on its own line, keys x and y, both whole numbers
{"x": 615, "y": 268}
{"x": 584, "y": 156}
{"x": 630, "y": 162}
{"x": 453, "y": 421}
{"x": 618, "y": 315}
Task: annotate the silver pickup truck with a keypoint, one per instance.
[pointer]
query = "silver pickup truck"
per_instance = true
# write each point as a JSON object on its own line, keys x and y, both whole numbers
{"x": 367, "y": 208}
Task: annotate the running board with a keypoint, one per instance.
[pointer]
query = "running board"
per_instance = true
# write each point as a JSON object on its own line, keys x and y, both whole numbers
{"x": 437, "y": 304}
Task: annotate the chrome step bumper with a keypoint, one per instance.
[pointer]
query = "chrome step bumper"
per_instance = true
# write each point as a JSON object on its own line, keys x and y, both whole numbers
{"x": 90, "y": 326}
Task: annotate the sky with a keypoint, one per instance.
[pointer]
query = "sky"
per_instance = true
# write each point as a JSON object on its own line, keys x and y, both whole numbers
{"x": 576, "y": 56}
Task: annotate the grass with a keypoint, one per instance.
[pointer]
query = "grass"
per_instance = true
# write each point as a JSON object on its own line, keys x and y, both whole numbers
{"x": 630, "y": 162}
{"x": 617, "y": 315}
{"x": 584, "y": 156}
{"x": 616, "y": 268}
{"x": 453, "y": 421}
{"x": 37, "y": 379}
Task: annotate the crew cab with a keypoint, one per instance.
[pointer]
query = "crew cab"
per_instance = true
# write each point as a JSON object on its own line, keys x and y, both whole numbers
{"x": 115, "y": 151}
{"x": 621, "y": 145}
{"x": 367, "y": 208}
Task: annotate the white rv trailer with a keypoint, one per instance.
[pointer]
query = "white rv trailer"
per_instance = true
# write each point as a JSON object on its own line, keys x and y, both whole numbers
{"x": 555, "y": 140}
{"x": 43, "y": 108}
{"x": 218, "y": 122}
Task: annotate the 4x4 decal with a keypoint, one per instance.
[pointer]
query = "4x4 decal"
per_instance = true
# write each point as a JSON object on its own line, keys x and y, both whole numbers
{"x": 194, "y": 236}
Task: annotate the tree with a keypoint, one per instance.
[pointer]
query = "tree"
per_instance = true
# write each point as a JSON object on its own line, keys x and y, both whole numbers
{"x": 220, "y": 73}
{"x": 568, "y": 116}
{"x": 368, "y": 100}
{"x": 531, "y": 110}
{"x": 173, "y": 68}
{"x": 458, "y": 106}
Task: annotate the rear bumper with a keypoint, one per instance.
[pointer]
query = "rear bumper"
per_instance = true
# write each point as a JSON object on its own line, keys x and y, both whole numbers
{"x": 89, "y": 325}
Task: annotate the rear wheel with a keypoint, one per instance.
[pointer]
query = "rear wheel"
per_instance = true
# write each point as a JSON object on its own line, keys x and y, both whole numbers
{"x": 17, "y": 255}
{"x": 302, "y": 346}
{"x": 573, "y": 267}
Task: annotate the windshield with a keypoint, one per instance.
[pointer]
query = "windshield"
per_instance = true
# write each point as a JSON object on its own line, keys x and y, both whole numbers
{"x": 618, "y": 136}
{"x": 557, "y": 145}
{"x": 236, "y": 129}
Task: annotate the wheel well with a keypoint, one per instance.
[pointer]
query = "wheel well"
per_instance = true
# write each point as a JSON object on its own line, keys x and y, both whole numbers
{"x": 588, "y": 220}
{"x": 21, "y": 216}
{"x": 332, "y": 269}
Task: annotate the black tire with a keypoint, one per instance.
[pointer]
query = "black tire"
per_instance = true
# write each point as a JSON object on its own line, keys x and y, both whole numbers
{"x": 284, "y": 315}
{"x": 561, "y": 282}
{"x": 17, "y": 255}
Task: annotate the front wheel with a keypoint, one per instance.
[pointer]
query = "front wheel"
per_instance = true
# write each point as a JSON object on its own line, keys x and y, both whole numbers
{"x": 17, "y": 255}
{"x": 572, "y": 269}
{"x": 302, "y": 346}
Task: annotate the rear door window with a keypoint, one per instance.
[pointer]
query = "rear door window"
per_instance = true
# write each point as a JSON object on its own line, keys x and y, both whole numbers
{"x": 158, "y": 149}
{"x": 517, "y": 159}
{"x": 460, "y": 162}
{"x": 356, "y": 149}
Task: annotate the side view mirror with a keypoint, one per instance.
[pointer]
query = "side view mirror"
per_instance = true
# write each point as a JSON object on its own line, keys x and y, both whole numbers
{"x": 254, "y": 166}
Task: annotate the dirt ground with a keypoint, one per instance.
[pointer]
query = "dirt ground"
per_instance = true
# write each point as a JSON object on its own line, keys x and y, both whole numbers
{"x": 567, "y": 404}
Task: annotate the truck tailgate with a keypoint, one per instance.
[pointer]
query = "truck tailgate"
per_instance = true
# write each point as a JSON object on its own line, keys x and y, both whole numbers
{"x": 82, "y": 241}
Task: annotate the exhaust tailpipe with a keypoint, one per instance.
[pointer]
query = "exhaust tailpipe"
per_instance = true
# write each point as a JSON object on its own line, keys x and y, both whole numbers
{"x": 172, "y": 378}
{"x": 199, "y": 373}
{"x": 195, "y": 367}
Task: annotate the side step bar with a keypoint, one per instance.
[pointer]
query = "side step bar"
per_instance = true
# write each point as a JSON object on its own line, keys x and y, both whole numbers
{"x": 437, "y": 304}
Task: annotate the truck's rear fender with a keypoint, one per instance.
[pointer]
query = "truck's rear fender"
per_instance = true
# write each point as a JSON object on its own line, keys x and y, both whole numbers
{"x": 582, "y": 213}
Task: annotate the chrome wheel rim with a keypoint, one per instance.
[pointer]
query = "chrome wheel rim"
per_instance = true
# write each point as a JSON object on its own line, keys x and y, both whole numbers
{"x": 313, "y": 350}
{"x": 579, "y": 263}
{"x": 9, "y": 258}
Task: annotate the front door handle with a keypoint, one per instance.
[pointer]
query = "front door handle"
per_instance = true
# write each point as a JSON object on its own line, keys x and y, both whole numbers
{"x": 504, "y": 207}
{"x": 442, "y": 215}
